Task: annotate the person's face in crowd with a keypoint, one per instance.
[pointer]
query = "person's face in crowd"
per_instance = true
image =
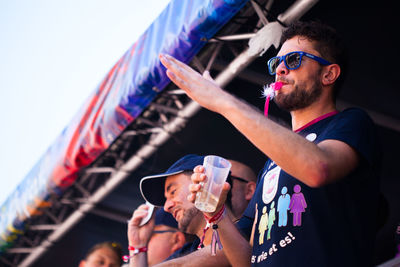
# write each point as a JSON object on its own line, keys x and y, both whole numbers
{"x": 239, "y": 191}
{"x": 102, "y": 257}
{"x": 162, "y": 244}
{"x": 302, "y": 86}
{"x": 184, "y": 212}
{"x": 243, "y": 187}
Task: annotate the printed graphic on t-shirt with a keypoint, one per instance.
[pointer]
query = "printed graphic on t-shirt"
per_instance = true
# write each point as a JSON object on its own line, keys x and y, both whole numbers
{"x": 283, "y": 207}
{"x": 297, "y": 205}
{"x": 262, "y": 225}
{"x": 266, "y": 222}
{"x": 271, "y": 179}
{"x": 292, "y": 230}
{"x": 294, "y": 204}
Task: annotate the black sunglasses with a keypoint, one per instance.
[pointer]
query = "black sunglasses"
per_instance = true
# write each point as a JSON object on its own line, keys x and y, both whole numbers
{"x": 231, "y": 177}
{"x": 163, "y": 231}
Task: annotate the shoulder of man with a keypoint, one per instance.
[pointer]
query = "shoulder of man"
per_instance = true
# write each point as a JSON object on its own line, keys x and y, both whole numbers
{"x": 187, "y": 248}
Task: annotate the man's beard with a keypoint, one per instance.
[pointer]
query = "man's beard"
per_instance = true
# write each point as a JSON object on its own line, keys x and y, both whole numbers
{"x": 299, "y": 98}
{"x": 188, "y": 216}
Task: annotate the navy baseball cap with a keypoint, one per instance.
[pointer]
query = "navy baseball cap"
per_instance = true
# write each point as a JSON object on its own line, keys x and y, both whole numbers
{"x": 152, "y": 187}
{"x": 165, "y": 218}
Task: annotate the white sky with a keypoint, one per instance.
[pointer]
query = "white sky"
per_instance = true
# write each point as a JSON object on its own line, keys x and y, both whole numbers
{"x": 53, "y": 54}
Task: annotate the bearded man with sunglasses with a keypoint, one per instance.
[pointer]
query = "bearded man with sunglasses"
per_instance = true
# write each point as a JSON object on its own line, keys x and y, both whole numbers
{"x": 321, "y": 177}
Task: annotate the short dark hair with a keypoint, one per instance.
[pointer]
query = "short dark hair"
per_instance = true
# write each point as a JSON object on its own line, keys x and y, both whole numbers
{"x": 327, "y": 42}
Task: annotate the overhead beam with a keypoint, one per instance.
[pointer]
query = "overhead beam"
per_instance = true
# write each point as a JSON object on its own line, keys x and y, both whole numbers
{"x": 156, "y": 140}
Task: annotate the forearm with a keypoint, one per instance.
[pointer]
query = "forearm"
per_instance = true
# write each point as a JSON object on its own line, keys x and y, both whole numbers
{"x": 139, "y": 236}
{"x": 293, "y": 153}
{"x": 314, "y": 165}
{"x": 277, "y": 142}
{"x": 235, "y": 247}
{"x": 138, "y": 260}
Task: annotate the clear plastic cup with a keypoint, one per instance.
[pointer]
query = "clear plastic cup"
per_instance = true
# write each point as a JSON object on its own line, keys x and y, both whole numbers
{"x": 216, "y": 170}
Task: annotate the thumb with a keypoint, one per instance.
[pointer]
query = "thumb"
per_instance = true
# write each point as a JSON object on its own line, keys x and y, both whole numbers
{"x": 222, "y": 198}
{"x": 224, "y": 193}
{"x": 206, "y": 74}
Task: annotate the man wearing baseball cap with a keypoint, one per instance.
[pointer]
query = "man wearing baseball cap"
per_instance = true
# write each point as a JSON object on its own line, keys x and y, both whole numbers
{"x": 171, "y": 189}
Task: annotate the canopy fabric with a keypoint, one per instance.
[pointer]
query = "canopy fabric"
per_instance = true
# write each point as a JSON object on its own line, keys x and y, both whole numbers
{"x": 181, "y": 30}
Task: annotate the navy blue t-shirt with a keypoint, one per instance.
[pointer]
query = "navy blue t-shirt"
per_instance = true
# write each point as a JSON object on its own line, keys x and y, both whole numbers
{"x": 333, "y": 225}
{"x": 186, "y": 249}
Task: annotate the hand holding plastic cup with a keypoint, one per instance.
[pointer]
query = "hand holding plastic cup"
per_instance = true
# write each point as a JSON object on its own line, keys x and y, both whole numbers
{"x": 216, "y": 170}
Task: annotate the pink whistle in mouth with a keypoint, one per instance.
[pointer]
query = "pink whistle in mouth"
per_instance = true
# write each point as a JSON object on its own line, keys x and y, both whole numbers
{"x": 277, "y": 85}
{"x": 270, "y": 94}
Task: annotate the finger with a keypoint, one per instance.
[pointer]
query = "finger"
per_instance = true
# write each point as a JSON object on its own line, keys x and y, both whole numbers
{"x": 181, "y": 83}
{"x": 139, "y": 213}
{"x": 191, "y": 197}
{"x": 199, "y": 169}
{"x": 207, "y": 75}
{"x": 143, "y": 207}
{"x": 225, "y": 189}
{"x": 194, "y": 188}
{"x": 172, "y": 75}
{"x": 178, "y": 71}
{"x": 152, "y": 220}
{"x": 173, "y": 63}
{"x": 139, "y": 208}
{"x": 138, "y": 217}
{"x": 198, "y": 178}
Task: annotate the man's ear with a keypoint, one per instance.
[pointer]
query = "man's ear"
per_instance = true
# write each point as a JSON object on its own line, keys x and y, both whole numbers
{"x": 330, "y": 74}
{"x": 178, "y": 240}
{"x": 82, "y": 263}
{"x": 250, "y": 189}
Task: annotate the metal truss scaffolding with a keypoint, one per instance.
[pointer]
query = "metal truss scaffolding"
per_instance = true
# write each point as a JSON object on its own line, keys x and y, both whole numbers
{"x": 167, "y": 115}
{"x": 251, "y": 32}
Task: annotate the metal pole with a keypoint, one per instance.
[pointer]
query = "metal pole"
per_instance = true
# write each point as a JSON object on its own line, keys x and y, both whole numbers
{"x": 242, "y": 61}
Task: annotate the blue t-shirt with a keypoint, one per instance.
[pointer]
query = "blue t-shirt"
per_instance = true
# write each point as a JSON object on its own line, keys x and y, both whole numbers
{"x": 333, "y": 225}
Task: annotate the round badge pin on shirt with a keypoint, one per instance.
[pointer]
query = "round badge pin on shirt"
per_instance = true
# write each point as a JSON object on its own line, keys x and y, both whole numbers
{"x": 311, "y": 137}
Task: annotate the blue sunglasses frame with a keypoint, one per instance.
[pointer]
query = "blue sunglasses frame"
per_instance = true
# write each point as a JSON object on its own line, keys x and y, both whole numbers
{"x": 301, "y": 54}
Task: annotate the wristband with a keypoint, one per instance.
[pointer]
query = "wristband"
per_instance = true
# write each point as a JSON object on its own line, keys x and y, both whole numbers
{"x": 126, "y": 258}
{"x": 212, "y": 222}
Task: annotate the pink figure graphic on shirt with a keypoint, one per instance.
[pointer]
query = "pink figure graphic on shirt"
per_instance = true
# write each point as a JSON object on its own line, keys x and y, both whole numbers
{"x": 297, "y": 205}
